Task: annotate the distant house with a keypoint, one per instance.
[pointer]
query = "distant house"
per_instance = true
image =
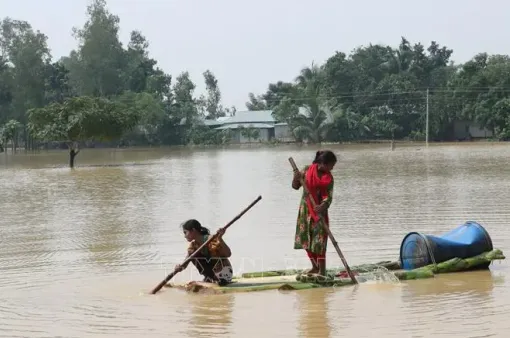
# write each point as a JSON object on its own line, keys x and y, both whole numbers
{"x": 251, "y": 126}
{"x": 215, "y": 123}
{"x": 466, "y": 130}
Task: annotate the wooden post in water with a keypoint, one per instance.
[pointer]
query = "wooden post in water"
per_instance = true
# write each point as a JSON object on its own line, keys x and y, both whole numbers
{"x": 427, "y": 122}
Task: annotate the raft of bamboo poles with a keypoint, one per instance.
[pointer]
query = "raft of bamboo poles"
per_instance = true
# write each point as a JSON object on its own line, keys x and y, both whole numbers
{"x": 298, "y": 280}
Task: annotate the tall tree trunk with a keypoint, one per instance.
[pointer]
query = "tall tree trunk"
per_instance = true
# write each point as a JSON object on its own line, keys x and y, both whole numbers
{"x": 72, "y": 156}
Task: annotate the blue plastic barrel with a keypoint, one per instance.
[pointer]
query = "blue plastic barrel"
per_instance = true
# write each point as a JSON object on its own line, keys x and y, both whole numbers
{"x": 468, "y": 240}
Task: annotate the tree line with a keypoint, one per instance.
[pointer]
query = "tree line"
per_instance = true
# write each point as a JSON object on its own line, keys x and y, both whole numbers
{"x": 100, "y": 92}
{"x": 379, "y": 91}
{"x": 114, "y": 94}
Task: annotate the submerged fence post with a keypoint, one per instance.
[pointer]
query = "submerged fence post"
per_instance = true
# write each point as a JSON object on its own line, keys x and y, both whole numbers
{"x": 427, "y": 121}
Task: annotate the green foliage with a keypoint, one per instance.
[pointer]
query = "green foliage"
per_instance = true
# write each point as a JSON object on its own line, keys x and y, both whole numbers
{"x": 98, "y": 66}
{"x": 203, "y": 135}
{"x": 22, "y": 70}
{"x": 104, "y": 90}
{"x": 82, "y": 118}
{"x": 380, "y": 92}
{"x": 211, "y": 106}
{"x": 10, "y": 131}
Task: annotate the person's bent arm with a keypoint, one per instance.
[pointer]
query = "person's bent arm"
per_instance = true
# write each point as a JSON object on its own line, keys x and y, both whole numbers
{"x": 329, "y": 197}
{"x": 296, "y": 180}
{"x": 222, "y": 249}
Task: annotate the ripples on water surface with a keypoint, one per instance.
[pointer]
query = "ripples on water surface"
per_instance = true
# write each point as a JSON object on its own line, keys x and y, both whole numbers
{"x": 80, "y": 248}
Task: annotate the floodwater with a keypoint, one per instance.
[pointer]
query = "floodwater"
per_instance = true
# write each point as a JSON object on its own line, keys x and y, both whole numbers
{"x": 82, "y": 248}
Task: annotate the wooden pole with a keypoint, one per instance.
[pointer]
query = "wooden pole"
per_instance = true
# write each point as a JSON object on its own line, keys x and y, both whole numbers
{"x": 326, "y": 227}
{"x": 427, "y": 121}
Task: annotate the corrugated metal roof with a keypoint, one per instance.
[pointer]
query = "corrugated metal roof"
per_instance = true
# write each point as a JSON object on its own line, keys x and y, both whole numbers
{"x": 245, "y": 125}
{"x": 212, "y": 122}
{"x": 255, "y": 116}
{"x": 207, "y": 122}
{"x": 241, "y": 117}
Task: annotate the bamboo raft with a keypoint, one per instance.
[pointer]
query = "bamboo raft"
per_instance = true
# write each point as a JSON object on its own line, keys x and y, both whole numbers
{"x": 298, "y": 280}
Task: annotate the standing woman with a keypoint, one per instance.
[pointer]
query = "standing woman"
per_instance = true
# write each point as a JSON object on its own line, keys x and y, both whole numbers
{"x": 310, "y": 233}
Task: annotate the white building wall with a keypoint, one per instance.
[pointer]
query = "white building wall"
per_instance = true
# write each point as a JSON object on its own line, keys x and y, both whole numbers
{"x": 282, "y": 133}
{"x": 263, "y": 136}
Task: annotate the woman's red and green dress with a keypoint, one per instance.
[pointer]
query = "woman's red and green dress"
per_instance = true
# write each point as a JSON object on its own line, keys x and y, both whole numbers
{"x": 310, "y": 233}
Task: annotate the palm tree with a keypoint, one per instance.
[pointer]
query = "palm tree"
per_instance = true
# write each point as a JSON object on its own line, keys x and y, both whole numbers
{"x": 399, "y": 60}
{"x": 315, "y": 114}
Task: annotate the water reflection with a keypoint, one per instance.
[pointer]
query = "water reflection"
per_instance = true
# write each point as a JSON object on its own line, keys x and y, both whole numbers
{"x": 473, "y": 283}
{"x": 25, "y": 232}
{"x": 211, "y": 315}
{"x": 448, "y": 299}
{"x": 214, "y": 181}
{"x": 314, "y": 313}
{"x": 106, "y": 226}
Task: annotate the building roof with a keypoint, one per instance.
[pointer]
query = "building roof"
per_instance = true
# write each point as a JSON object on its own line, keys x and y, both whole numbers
{"x": 240, "y": 118}
{"x": 255, "y": 116}
{"x": 212, "y": 122}
{"x": 219, "y": 121}
{"x": 245, "y": 125}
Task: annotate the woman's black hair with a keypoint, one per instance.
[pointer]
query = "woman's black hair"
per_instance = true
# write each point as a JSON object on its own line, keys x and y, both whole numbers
{"x": 325, "y": 157}
{"x": 193, "y": 224}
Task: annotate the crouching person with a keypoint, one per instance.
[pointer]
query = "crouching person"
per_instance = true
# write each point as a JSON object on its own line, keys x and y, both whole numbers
{"x": 212, "y": 261}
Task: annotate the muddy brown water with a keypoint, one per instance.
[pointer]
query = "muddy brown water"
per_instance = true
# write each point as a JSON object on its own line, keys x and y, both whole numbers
{"x": 81, "y": 249}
